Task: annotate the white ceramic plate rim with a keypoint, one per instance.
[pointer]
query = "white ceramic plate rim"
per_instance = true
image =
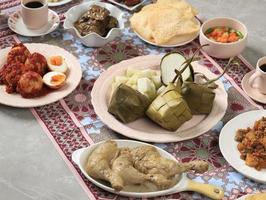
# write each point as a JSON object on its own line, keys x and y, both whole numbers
{"x": 74, "y": 76}
{"x": 114, "y": 124}
{"x": 131, "y": 144}
{"x": 245, "y": 196}
{"x": 53, "y": 27}
{"x": 53, "y": 4}
{"x": 228, "y": 145}
{"x": 261, "y": 97}
{"x": 130, "y": 8}
{"x": 171, "y": 45}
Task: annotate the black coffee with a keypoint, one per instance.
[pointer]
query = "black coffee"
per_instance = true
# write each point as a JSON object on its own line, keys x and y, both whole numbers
{"x": 263, "y": 67}
{"x": 34, "y": 4}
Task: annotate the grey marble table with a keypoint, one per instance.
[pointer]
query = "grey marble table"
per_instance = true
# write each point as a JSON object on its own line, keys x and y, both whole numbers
{"x": 31, "y": 168}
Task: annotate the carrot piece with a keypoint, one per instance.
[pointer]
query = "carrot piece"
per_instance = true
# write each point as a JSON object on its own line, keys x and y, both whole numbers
{"x": 233, "y": 38}
{"x": 232, "y": 34}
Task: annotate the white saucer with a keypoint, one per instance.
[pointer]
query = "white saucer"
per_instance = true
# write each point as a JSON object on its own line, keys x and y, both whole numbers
{"x": 252, "y": 92}
{"x": 16, "y": 24}
{"x": 59, "y": 3}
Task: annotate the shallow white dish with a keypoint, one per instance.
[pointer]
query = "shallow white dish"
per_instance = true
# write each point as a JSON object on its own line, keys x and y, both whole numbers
{"x": 245, "y": 196}
{"x": 72, "y": 81}
{"x": 93, "y": 39}
{"x": 80, "y": 157}
{"x": 228, "y": 145}
{"x": 143, "y": 128}
{"x": 59, "y": 3}
{"x": 15, "y": 23}
{"x": 252, "y": 92}
{"x": 130, "y": 8}
{"x": 190, "y": 39}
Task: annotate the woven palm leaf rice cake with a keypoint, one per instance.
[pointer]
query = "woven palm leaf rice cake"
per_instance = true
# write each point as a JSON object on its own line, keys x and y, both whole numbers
{"x": 166, "y": 22}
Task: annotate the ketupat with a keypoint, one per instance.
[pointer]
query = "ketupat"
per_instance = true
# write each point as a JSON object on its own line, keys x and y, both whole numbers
{"x": 169, "y": 109}
{"x": 200, "y": 96}
{"x": 128, "y": 104}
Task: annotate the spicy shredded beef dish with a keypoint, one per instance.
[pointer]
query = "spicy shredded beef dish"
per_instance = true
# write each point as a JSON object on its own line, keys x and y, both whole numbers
{"x": 252, "y": 144}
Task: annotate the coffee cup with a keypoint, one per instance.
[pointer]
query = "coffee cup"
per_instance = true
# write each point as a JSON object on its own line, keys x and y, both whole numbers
{"x": 34, "y": 13}
{"x": 258, "y": 79}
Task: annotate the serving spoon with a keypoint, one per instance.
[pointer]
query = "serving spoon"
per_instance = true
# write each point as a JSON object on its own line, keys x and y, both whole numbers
{"x": 80, "y": 157}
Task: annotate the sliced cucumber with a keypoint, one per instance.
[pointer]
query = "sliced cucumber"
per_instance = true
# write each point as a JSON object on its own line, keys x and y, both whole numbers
{"x": 171, "y": 62}
{"x": 146, "y": 87}
{"x": 157, "y": 81}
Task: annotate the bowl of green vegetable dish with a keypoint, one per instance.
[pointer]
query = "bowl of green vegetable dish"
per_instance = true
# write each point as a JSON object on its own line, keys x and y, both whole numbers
{"x": 226, "y": 37}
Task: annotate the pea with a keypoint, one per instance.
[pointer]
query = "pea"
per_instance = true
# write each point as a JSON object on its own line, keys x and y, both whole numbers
{"x": 209, "y": 30}
{"x": 239, "y": 34}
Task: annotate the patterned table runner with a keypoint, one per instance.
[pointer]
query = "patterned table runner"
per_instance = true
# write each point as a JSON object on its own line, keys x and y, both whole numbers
{"x": 72, "y": 124}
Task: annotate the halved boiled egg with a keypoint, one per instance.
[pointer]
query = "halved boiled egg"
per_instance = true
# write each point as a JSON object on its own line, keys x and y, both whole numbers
{"x": 57, "y": 64}
{"x": 54, "y": 80}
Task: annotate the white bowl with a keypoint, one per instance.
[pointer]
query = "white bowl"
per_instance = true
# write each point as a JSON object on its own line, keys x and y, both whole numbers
{"x": 223, "y": 50}
{"x": 94, "y": 39}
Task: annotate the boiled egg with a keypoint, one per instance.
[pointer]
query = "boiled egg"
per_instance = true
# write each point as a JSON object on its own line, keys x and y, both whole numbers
{"x": 57, "y": 64}
{"x": 54, "y": 80}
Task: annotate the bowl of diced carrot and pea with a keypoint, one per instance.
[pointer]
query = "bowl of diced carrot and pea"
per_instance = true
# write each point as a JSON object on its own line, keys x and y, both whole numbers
{"x": 226, "y": 37}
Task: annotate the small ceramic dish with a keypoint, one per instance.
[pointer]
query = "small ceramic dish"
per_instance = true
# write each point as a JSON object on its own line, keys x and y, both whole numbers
{"x": 80, "y": 157}
{"x": 16, "y": 24}
{"x": 93, "y": 39}
{"x": 252, "y": 92}
{"x": 223, "y": 50}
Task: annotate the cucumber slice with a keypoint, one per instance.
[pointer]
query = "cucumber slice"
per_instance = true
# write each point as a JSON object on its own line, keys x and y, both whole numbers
{"x": 240, "y": 34}
{"x": 171, "y": 62}
{"x": 146, "y": 87}
{"x": 157, "y": 81}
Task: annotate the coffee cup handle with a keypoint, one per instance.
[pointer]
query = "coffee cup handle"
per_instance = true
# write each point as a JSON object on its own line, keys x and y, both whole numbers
{"x": 252, "y": 80}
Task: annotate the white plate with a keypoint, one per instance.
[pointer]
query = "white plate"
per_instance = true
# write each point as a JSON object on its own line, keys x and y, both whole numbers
{"x": 245, "y": 196}
{"x": 59, "y": 3}
{"x": 143, "y": 128}
{"x": 73, "y": 78}
{"x": 190, "y": 39}
{"x": 15, "y": 23}
{"x": 228, "y": 145}
{"x": 130, "y": 8}
{"x": 252, "y": 92}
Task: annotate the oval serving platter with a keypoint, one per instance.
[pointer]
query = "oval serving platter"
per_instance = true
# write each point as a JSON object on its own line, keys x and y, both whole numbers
{"x": 143, "y": 128}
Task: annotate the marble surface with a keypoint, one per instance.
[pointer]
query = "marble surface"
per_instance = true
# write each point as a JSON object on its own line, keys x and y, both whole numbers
{"x": 31, "y": 168}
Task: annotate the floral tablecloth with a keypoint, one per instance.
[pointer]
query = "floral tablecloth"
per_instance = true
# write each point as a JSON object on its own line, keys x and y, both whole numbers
{"x": 71, "y": 123}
